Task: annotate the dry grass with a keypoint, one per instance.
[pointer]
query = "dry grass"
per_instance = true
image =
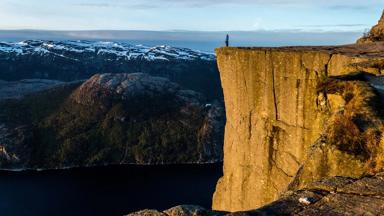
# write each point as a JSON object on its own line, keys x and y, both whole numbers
{"x": 357, "y": 129}
{"x": 346, "y": 135}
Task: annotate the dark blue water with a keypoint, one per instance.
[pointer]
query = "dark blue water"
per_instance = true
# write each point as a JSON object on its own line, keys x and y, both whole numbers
{"x": 113, "y": 190}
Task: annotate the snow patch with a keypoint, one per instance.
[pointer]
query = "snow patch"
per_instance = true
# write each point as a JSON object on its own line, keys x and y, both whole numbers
{"x": 69, "y": 49}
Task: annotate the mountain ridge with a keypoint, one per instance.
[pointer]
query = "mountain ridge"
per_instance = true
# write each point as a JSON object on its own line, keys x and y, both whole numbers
{"x": 108, "y": 119}
{"x": 120, "y": 49}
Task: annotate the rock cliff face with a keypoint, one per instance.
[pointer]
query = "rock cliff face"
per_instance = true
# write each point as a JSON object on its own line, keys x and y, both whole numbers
{"x": 304, "y": 131}
{"x": 288, "y": 112}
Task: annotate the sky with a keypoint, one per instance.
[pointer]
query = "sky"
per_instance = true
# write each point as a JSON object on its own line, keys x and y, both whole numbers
{"x": 191, "y": 15}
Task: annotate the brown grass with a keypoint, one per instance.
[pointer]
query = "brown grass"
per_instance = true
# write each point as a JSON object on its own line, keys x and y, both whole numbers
{"x": 346, "y": 135}
{"x": 357, "y": 129}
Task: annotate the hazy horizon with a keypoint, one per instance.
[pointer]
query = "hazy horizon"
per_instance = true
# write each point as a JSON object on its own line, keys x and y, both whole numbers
{"x": 200, "y": 40}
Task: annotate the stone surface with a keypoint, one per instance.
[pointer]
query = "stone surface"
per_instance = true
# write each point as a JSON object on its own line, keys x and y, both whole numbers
{"x": 270, "y": 98}
{"x": 190, "y": 210}
{"x": 276, "y": 113}
{"x": 328, "y": 196}
{"x": 182, "y": 210}
{"x": 333, "y": 196}
{"x": 147, "y": 212}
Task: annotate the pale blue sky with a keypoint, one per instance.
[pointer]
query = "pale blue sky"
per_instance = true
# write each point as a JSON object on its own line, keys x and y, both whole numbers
{"x": 200, "y": 15}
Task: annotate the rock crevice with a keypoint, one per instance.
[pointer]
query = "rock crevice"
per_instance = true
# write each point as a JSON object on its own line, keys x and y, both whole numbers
{"x": 276, "y": 111}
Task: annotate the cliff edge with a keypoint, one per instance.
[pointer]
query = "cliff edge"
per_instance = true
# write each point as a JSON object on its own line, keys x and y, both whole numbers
{"x": 304, "y": 131}
{"x": 296, "y": 115}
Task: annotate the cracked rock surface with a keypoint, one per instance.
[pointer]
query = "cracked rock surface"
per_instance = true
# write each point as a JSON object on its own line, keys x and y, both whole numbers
{"x": 332, "y": 196}
{"x": 276, "y": 114}
{"x": 329, "y": 196}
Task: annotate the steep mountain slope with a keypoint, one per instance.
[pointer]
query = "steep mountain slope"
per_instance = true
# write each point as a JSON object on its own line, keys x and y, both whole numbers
{"x": 110, "y": 119}
{"x": 77, "y": 60}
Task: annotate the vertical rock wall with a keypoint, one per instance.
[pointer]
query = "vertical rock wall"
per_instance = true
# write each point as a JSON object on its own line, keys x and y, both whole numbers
{"x": 272, "y": 117}
{"x": 274, "y": 114}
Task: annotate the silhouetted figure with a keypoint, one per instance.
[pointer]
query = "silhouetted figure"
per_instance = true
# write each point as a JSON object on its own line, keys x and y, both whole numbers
{"x": 227, "y": 41}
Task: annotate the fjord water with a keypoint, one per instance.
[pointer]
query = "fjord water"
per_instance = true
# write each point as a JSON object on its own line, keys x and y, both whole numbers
{"x": 110, "y": 190}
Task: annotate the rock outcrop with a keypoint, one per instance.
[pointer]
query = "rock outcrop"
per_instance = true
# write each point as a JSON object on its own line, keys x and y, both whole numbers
{"x": 329, "y": 196}
{"x": 291, "y": 113}
{"x": 182, "y": 210}
{"x": 298, "y": 117}
{"x": 376, "y": 34}
{"x": 332, "y": 196}
{"x": 111, "y": 119}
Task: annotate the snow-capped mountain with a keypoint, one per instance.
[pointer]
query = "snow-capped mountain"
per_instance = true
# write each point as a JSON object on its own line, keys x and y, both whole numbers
{"x": 71, "y": 49}
{"x": 79, "y": 60}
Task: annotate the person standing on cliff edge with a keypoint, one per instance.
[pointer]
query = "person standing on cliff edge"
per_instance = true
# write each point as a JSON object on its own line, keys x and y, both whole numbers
{"x": 227, "y": 41}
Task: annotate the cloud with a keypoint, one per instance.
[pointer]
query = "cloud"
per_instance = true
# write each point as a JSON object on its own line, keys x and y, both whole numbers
{"x": 148, "y": 4}
{"x": 208, "y": 3}
{"x": 329, "y": 4}
{"x": 334, "y": 25}
{"x": 144, "y": 4}
{"x": 349, "y": 7}
{"x": 116, "y": 5}
{"x": 101, "y": 5}
{"x": 202, "y": 15}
